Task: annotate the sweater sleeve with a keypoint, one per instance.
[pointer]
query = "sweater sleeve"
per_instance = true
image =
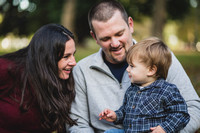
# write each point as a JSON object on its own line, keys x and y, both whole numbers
{"x": 79, "y": 107}
{"x": 178, "y": 76}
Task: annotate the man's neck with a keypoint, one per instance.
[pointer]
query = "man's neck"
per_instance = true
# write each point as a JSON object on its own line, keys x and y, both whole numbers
{"x": 117, "y": 69}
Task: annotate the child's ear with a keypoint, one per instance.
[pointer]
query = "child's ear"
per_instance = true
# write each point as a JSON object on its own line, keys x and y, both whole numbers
{"x": 152, "y": 70}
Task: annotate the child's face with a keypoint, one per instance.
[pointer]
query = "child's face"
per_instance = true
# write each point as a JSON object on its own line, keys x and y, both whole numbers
{"x": 138, "y": 72}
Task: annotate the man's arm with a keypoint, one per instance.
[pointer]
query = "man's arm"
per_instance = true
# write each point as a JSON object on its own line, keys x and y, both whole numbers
{"x": 79, "y": 107}
{"x": 178, "y": 76}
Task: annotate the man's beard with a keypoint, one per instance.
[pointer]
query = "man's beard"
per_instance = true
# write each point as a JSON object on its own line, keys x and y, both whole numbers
{"x": 118, "y": 61}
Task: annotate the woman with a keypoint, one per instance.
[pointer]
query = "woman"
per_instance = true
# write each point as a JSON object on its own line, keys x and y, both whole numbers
{"x": 36, "y": 83}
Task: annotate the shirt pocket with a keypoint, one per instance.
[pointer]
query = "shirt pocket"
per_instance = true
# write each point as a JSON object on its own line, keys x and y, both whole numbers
{"x": 149, "y": 106}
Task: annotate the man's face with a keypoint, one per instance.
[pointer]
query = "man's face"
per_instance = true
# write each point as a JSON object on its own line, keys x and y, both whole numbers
{"x": 114, "y": 37}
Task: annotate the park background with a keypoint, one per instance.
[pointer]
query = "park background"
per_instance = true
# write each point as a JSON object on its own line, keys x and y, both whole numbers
{"x": 177, "y": 22}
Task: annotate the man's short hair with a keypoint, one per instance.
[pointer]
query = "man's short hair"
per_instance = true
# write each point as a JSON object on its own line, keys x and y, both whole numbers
{"x": 104, "y": 10}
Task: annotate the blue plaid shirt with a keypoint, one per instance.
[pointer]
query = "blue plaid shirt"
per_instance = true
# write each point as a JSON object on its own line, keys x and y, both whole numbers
{"x": 157, "y": 104}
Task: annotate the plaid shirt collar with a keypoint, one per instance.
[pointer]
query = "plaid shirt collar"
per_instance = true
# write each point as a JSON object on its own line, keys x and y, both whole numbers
{"x": 156, "y": 84}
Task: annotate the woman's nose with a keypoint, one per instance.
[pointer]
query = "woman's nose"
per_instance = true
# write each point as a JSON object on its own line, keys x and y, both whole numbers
{"x": 72, "y": 61}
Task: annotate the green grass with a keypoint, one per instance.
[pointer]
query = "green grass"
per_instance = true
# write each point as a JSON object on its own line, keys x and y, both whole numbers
{"x": 82, "y": 52}
{"x": 191, "y": 64}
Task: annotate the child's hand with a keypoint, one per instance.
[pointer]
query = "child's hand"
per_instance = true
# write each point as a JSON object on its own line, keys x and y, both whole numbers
{"x": 108, "y": 115}
{"x": 157, "y": 129}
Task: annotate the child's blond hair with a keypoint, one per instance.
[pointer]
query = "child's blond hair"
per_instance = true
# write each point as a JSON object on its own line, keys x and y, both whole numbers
{"x": 152, "y": 51}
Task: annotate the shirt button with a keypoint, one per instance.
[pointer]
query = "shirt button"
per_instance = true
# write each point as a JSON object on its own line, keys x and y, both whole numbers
{"x": 139, "y": 92}
{"x": 130, "y": 125}
{"x": 133, "y": 106}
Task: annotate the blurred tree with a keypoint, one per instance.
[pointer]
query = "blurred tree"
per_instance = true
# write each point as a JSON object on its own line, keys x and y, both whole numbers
{"x": 189, "y": 29}
{"x": 197, "y": 21}
{"x": 68, "y": 14}
{"x": 81, "y": 21}
{"x": 25, "y": 21}
{"x": 159, "y": 10}
{"x": 159, "y": 17}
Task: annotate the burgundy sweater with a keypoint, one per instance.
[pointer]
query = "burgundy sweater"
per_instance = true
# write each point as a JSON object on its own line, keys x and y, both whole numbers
{"x": 12, "y": 120}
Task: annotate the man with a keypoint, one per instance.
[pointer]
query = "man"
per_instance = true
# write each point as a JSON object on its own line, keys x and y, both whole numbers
{"x": 101, "y": 79}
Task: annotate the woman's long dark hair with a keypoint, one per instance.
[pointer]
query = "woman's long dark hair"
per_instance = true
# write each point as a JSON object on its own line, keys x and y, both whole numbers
{"x": 40, "y": 78}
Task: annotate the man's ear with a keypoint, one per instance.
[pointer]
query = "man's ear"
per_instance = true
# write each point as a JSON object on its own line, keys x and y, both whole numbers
{"x": 93, "y": 35}
{"x": 131, "y": 24}
{"x": 152, "y": 71}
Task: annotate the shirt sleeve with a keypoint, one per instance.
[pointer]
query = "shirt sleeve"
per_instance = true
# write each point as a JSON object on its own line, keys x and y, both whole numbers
{"x": 178, "y": 76}
{"x": 176, "y": 109}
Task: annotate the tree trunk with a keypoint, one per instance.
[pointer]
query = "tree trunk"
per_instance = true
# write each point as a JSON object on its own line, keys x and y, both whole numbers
{"x": 159, "y": 18}
{"x": 68, "y": 14}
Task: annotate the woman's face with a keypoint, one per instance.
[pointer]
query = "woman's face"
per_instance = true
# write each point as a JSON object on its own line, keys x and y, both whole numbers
{"x": 67, "y": 62}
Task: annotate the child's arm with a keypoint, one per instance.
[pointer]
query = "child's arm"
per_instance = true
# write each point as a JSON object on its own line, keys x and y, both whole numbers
{"x": 108, "y": 115}
{"x": 176, "y": 107}
{"x": 157, "y": 129}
